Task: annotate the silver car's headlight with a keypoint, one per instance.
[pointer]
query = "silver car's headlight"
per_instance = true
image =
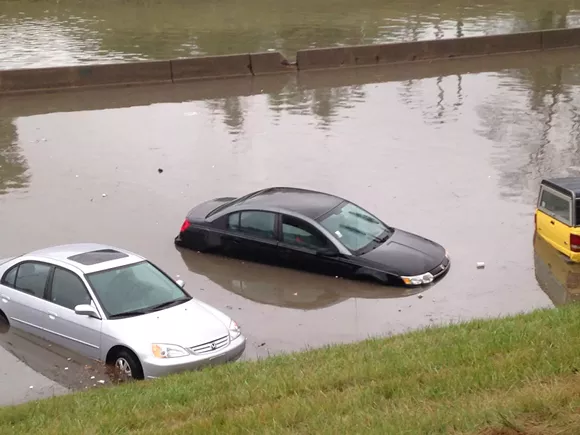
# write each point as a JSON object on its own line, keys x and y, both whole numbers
{"x": 425, "y": 278}
{"x": 161, "y": 350}
{"x": 234, "y": 329}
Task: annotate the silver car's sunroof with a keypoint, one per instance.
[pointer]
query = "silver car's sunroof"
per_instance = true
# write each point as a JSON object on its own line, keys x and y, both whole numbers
{"x": 96, "y": 257}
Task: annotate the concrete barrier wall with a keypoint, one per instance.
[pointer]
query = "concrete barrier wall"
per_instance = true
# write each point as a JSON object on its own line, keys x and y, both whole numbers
{"x": 237, "y": 65}
{"x": 560, "y": 38}
{"x": 271, "y": 62}
{"x": 83, "y": 76}
{"x": 254, "y": 64}
{"x": 362, "y": 55}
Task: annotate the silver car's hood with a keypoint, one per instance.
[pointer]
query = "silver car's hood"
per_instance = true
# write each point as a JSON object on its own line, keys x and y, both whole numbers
{"x": 187, "y": 325}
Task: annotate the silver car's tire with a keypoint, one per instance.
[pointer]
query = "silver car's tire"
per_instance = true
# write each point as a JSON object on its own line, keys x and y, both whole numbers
{"x": 127, "y": 366}
{"x": 4, "y": 323}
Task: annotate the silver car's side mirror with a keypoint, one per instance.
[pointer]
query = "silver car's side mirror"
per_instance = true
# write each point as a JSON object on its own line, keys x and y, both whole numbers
{"x": 180, "y": 283}
{"x": 87, "y": 310}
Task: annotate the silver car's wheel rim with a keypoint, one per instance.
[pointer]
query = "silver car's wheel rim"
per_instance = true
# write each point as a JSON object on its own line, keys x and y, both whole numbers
{"x": 124, "y": 368}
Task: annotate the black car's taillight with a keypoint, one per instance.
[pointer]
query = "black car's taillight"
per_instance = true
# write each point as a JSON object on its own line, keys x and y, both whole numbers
{"x": 185, "y": 225}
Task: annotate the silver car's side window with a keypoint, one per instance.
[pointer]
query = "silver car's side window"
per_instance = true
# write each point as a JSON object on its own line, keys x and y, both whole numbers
{"x": 9, "y": 277}
{"x": 68, "y": 290}
{"x": 31, "y": 278}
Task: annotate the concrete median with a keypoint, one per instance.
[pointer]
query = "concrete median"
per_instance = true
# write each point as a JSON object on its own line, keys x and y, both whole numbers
{"x": 85, "y": 76}
{"x": 418, "y": 50}
{"x": 236, "y": 65}
{"x": 561, "y": 38}
{"x": 270, "y": 62}
{"x": 253, "y": 64}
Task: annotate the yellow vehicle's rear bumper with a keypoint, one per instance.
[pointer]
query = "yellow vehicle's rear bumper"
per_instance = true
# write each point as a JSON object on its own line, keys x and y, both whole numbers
{"x": 573, "y": 256}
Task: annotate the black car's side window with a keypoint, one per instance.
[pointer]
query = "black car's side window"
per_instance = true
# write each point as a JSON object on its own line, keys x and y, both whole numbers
{"x": 297, "y": 232}
{"x": 31, "y": 278}
{"x": 256, "y": 223}
{"x": 68, "y": 290}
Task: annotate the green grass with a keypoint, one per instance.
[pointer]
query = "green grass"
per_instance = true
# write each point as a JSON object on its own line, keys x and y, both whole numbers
{"x": 516, "y": 375}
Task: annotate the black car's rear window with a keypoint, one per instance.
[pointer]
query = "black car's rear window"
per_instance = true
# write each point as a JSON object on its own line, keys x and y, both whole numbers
{"x": 96, "y": 257}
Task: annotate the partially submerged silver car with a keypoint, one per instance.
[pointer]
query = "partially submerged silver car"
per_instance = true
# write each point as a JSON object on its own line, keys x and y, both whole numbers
{"x": 114, "y": 306}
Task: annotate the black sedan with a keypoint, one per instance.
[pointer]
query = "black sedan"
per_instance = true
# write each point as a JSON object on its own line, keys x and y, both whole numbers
{"x": 315, "y": 232}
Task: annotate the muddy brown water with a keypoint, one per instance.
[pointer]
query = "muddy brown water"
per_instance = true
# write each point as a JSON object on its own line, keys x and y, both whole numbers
{"x": 449, "y": 154}
{"x": 37, "y": 33}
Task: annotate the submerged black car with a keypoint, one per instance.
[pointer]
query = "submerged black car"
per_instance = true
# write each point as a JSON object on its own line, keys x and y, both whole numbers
{"x": 312, "y": 231}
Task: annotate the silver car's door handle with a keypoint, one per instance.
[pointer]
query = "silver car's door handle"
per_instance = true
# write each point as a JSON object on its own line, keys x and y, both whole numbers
{"x": 5, "y": 298}
{"x": 52, "y": 315}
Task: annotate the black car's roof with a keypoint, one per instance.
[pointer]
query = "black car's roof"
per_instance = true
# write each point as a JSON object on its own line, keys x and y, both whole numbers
{"x": 564, "y": 184}
{"x": 306, "y": 202}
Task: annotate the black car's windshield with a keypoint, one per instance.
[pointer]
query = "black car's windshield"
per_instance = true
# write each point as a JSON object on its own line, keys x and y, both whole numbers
{"x": 354, "y": 227}
{"x": 135, "y": 289}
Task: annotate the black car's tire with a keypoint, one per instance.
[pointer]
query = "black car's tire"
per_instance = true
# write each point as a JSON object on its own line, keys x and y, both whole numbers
{"x": 374, "y": 277}
{"x": 126, "y": 365}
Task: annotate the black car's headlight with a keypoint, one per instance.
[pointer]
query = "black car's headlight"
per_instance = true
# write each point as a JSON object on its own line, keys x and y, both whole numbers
{"x": 425, "y": 278}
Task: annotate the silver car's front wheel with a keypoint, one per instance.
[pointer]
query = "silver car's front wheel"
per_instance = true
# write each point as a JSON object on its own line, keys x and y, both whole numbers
{"x": 124, "y": 368}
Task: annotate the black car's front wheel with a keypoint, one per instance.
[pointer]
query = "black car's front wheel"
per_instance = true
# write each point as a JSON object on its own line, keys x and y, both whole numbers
{"x": 374, "y": 276}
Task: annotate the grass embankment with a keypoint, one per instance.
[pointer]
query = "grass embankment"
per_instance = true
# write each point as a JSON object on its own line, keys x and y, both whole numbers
{"x": 509, "y": 376}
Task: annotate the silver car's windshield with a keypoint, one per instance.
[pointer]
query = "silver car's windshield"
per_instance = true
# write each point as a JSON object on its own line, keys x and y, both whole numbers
{"x": 135, "y": 289}
{"x": 354, "y": 227}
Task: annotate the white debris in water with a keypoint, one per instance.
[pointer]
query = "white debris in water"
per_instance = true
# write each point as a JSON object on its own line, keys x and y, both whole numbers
{"x": 101, "y": 381}
{"x": 104, "y": 195}
{"x": 92, "y": 377}
{"x": 480, "y": 265}
{"x": 66, "y": 368}
{"x": 31, "y": 387}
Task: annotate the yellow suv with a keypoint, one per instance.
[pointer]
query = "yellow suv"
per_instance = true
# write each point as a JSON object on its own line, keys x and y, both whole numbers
{"x": 557, "y": 217}
{"x": 556, "y": 275}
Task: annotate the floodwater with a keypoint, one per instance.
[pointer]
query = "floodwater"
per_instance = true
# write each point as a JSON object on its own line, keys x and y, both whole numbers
{"x": 36, "y": 33}
{"x": 452, "y": 150}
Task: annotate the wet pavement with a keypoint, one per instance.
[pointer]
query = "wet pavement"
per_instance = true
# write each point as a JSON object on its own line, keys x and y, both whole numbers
{"x": 451, "y": 155}
{"x": 36, "y": 33}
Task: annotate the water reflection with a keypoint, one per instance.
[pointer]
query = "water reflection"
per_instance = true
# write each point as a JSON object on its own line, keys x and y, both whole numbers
{"x": 284, "y": 287}
{"x": 13, "y": 167}
{"x": 556, "y": 275}
{"x": 54, "y": 362}
{"x": 533, "y": 120}
{"x": 325, "y": 104}
{"x": 42, "y": 32}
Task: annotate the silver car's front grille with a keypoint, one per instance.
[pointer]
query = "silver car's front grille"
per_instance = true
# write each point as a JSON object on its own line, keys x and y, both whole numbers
{"x": 211, "y": 346}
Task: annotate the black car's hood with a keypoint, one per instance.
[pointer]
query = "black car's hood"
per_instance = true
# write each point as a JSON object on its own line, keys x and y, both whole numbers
{"x": 406, "y": 254}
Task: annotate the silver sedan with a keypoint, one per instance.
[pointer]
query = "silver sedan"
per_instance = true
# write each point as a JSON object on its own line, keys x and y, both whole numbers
{"x": 114, "y": 306}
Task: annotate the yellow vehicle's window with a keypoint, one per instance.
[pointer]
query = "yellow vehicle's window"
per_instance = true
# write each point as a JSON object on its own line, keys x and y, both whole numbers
{"x": 556, "y": 205}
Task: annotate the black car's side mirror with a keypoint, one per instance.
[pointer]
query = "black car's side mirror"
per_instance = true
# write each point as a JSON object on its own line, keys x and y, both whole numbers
{"x": 328, "y": 252}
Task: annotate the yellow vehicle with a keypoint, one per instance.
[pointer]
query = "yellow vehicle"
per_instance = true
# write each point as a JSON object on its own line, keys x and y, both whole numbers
{"x": 557, "y": 276}
{"x": 557, "y": 217}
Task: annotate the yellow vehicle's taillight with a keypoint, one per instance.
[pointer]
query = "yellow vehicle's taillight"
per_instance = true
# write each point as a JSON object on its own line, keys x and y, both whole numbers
{"x": 574, "y": 243}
